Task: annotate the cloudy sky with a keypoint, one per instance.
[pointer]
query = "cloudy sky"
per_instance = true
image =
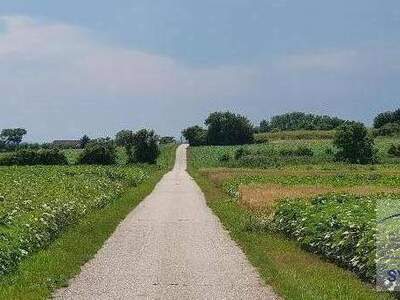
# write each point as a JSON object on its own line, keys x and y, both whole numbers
{"x": 73, "y": 67}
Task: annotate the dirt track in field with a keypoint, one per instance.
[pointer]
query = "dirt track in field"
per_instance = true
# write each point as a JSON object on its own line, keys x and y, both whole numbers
{"x": 170, "y": 247}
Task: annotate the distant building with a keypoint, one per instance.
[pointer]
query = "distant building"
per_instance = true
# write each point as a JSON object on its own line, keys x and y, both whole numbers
{"x": 67, "y": 143}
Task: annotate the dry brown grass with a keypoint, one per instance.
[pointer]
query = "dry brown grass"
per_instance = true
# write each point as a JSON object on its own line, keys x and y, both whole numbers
{"x": 265, "y": 197}
{"x": 219, "y": 175}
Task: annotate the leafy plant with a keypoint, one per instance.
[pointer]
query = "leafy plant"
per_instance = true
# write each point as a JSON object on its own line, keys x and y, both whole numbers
{"x": 354, "y": 144}
{"x": 99, "y": 152}
{"x": 224, "y": 157}
{"x": 226, "y": 128}
{"x": 394, "y": 150}
{"x": 195, "y": 135}
{"x": 339, "y": 227}
{"x": 145, "y": 145}
{"x": 240, "y": 152}
{"x": 35, "y": 157}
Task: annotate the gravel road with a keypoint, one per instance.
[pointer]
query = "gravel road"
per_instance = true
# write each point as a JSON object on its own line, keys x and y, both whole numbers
{"x": 170, "y": 247}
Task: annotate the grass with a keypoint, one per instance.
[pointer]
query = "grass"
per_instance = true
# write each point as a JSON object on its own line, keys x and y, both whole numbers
{"x": 291, "y": 271}
{"x": 272, "y": 154}
{"x": 40, "y": 274}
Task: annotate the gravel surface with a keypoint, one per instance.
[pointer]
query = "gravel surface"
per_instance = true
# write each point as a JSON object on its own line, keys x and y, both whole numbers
{"x": 170, "y": 247}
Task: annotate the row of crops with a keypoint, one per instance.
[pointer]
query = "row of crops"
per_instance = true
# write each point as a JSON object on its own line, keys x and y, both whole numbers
{"x": 38, "y": 203}
{"x": 340, "y": 226}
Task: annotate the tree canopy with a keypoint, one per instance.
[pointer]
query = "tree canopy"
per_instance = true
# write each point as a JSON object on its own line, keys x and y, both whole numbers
{"x": 300, "y": 121}
{"x": 226, "y": 128}
{"x": 386, "y": 118}
{"x": 13, "y": 136}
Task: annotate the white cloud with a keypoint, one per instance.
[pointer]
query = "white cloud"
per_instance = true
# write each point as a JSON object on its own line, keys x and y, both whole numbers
{"x": 59, "y": 59}
{"x": 60, "y": 81}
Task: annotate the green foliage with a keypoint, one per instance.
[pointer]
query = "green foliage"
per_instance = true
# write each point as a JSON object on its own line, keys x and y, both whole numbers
{"x": 84, "y": 141}
{"x": 295, "y": 135}
{"x": 224, "y": 157}
{"x": 394, "y": 150}
{"x": 389, "y": 129}
{"x": 387, "y": 117}
{"x": 124, "y": 138}
{"x": 240, "y": 152}
{"x": 99, "y": 152}
{"x": 299, "y": 151}
{"x": 12, "y": 136}
{"x": 145, "y": 145}
{"x": 34, "y": 157}
{"x": 339, "y": 227}
{"x": 300, "y": 121}
{"x": 38, "y": 203}
{"x": 167, "y": 140}
{"x": 226, "y": 128}
{"x": 195, "y": 135}
{"x": 354, "y": 144}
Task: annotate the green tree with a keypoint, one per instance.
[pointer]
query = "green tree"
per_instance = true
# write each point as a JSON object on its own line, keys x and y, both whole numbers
{"x": 387, "y": 117}
{"x": 13, "y": 136}
{"x": 124, "y": 138}
{"x": 354, "y": 144}
{"x": 145, "y": 146}
{"x": 265, "y": 126}
{"x": 167, "y": 140}
{"x": 84, "y": 141}
{"x": 226, "y": 128}
{"x": 99, "y": 152}
{"x": 195, "y": 135}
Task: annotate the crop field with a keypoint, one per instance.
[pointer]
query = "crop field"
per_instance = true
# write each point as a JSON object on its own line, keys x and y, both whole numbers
{"x": 328, "y": 208}
{"x": 278, "y": 153}
{"x": 38, "y": 203}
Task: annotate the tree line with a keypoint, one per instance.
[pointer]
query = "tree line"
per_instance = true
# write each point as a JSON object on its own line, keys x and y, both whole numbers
{"x": 141, "y": 147}
{"x": 300, "y": 121}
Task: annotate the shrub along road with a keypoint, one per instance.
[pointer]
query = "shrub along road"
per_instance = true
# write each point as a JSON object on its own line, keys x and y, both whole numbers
{"x": 170, "y": 246}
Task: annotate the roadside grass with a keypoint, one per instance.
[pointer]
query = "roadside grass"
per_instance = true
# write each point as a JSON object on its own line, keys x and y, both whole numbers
{"x": 291, "y": 271}
{"x": 39, "y": 275}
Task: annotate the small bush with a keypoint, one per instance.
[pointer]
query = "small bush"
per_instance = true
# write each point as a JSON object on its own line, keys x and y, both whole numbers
{"x": 394, "y": 150}
{"x": 257, "y": 161}
{"x": 354, "y": 144}
{"x": 99, "y": 152}
{"x": 239, "y": 153}
{"x": 35, "y": 157}
{"x": 389, "y": 129}
{"x": 299, "y": 151}
{"x": 224, "y": 157}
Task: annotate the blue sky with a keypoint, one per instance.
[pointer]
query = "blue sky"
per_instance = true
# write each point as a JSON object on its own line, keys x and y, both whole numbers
{"x": 74, "y": 67}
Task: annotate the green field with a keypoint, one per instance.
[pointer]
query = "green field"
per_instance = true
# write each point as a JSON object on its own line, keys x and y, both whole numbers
{"x": 320, "y": 211}
{"x": 268, "y": 155}
{"x": 38, "y": 204}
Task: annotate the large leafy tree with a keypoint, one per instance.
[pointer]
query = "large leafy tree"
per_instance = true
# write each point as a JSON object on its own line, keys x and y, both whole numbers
{"x": 226, "y": 128}
{"x": 13, "y": 136}
{"x": 354, "y": 144}
{"x": 195, "y": 135}
{"x": 145, "y": 146}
